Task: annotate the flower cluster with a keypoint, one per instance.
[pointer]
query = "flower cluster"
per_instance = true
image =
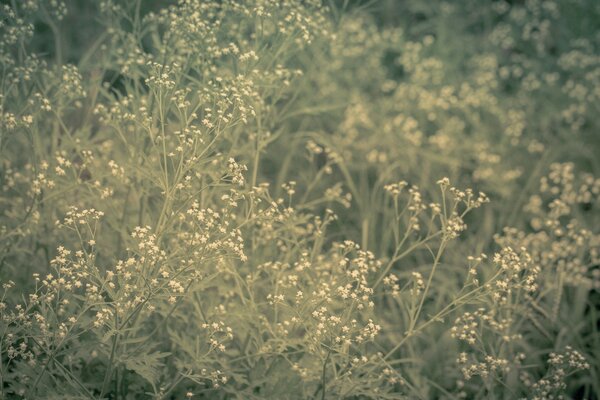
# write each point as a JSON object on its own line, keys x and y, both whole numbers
{"x": 216, "y": 198}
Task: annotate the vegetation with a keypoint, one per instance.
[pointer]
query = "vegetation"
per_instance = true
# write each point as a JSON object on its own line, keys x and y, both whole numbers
{"x": 296, "y": 199}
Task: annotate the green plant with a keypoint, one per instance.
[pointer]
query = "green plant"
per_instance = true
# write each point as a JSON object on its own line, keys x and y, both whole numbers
{"x": 223, "y": 199}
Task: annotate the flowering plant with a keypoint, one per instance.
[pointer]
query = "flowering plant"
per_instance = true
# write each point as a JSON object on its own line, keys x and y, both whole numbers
{"x": 272, "y": 200}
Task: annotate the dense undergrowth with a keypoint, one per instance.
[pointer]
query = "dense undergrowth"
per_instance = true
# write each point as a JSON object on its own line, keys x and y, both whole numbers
{"x": 272, "y": 199}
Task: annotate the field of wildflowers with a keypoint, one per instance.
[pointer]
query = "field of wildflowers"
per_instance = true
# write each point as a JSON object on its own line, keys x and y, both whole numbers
{"x": 299, "y": 199}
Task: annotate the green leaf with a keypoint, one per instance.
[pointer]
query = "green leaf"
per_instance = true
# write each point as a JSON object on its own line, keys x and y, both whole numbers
{"x": 147, "y": 366}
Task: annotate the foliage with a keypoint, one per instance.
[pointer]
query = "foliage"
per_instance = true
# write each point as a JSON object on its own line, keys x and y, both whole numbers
{"x": 272, "y": 199}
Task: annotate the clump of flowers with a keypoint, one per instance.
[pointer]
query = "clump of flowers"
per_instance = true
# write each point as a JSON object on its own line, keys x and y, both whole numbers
{"x": 224, "y": 199}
